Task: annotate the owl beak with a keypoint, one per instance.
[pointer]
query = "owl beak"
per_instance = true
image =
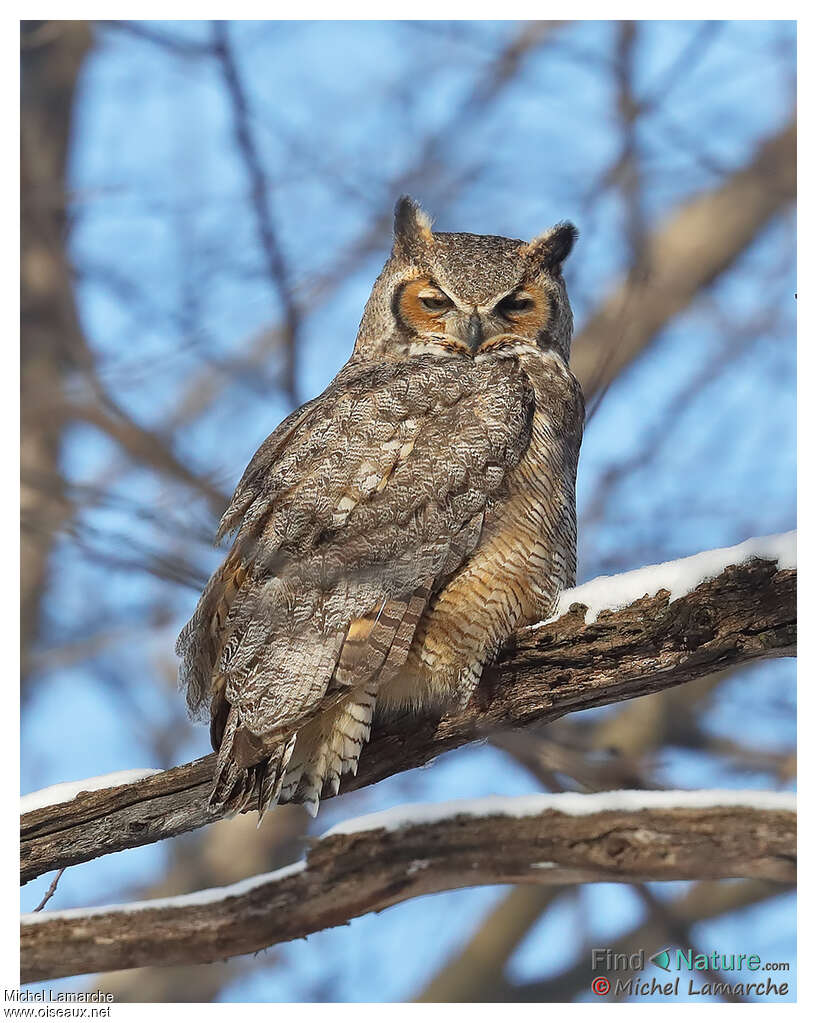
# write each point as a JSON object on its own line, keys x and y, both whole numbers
{"x": 475, "y": 334}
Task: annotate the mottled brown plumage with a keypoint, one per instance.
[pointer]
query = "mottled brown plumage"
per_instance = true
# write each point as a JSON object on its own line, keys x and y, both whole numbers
{"x": 394, "y": 531}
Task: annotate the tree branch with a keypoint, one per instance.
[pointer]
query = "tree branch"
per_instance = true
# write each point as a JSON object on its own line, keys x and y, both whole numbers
{"x": 51, "y": 340}
{"x": 260, "y": 193}
{"x": 475, "y": 970}
{"x": 747, "y": 611}
{"x": 377, "y": 861}
{"x": 706, "y": 901}
{"x": 701, "y": 240}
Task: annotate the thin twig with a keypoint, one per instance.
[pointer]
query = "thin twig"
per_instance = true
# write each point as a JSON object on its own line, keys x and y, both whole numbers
{"x": 260, "y": 191}
{"x": 51, "y": 889}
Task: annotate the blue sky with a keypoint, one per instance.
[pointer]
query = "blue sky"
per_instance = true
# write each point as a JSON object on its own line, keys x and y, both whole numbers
{"x": 171, "y": 281}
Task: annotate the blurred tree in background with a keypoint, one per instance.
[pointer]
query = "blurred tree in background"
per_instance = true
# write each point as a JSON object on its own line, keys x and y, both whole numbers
{"x": 204, "y": 209}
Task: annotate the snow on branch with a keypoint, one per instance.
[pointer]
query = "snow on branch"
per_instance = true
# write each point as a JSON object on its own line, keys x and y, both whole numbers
{"x": 610, "y": 592}
{"x": 368, "y": 864}
{"x": 67, "y": 790}
{"x": 663, "y": 626}
{"x": 574, "y": 804}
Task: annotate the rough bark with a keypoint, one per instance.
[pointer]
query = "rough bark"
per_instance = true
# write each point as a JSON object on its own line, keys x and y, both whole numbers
{"x": 550, "y": 670}
{"x": 348, "y": 875}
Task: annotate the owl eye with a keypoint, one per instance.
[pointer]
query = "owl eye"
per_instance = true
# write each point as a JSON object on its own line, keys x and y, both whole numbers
{"x": 514, "y": 304}
{"x": 435, "y": 303}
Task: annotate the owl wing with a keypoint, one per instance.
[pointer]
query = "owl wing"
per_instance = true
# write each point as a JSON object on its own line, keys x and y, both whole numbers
{"x": 198, "y": 641}
{"x": 347, "y": 520}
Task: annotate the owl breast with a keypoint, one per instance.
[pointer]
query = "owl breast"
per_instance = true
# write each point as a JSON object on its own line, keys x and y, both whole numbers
{"x": 526, "y": 554}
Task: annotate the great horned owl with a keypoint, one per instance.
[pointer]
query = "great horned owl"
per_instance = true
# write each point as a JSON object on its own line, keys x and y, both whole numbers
{"x": 394, "y": 531}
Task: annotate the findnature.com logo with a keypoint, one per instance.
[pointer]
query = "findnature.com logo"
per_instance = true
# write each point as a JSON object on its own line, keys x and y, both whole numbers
{"x": 707, "y": 966}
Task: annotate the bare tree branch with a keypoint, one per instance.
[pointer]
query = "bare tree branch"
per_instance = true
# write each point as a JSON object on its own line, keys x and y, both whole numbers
{"x": 51, "y": 337}
{"x": 555, "y": 668}
{"x": 376, "y": 862}
{"x": 146, "y": 447}
{"x": 477, "y": 969}
{"x": 260, "y": 195}
{"x": 678, "y": 932}
{"x": 706, "y": 901}
{"x": 174, "y": 44}
{"x": 222, "y": 854}
{"x": 701, "y": 240}
{"x": 52, "y": 888}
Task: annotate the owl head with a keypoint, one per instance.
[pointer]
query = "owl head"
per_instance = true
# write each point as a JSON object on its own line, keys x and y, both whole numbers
{"x": 463, "y": 294}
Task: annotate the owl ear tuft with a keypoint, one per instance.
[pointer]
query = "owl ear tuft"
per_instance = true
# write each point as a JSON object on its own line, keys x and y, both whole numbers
{"x": 553, "y": 247}
{"x": 412, "y": 227}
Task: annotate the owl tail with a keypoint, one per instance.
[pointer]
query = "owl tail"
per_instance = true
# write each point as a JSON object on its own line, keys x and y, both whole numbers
{"x": 326, "y": 749}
